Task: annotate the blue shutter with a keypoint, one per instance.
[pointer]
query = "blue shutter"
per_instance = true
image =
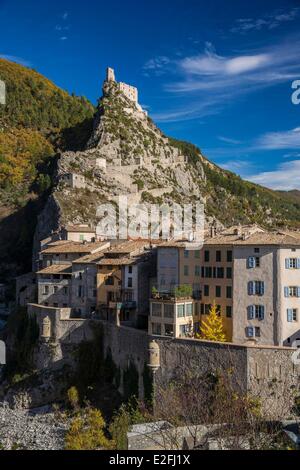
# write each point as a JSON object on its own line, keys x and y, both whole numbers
{"x": 250, "y": 331}
{"x": 286, "y": 292}
{"x": 287, "y": 263}
{"x": 251, "y": 312}
{"x": 251, "y": 262}
{"x": 262, "y": 288}
{"x": 261, "y": 312}
{"x": 250, "y": 288}
{"x": 289, "y": 314}
{"x": 298, "y": 263}
{"x": 298, "y": 291}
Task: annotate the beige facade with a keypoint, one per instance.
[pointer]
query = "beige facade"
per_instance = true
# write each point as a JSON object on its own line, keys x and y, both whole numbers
{"x": 172, "y": 317}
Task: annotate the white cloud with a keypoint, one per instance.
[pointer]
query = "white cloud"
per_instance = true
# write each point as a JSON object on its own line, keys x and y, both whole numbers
{"x": 65, "y": 15}
{"x": 271, "y": 21}
{"x": 285, "y": 177}
{"x": 228, "y": 140}
{"x": 63, "y": 38}
{"x": 279, "y": 140}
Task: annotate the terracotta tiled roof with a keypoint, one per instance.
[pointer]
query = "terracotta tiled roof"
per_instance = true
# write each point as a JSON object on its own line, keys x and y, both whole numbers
{"x": 57, "y": 269}
{"x": 75, "y": 247}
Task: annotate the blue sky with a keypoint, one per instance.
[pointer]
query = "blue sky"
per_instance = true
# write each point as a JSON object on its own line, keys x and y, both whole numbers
{"x": 217, "y": 73}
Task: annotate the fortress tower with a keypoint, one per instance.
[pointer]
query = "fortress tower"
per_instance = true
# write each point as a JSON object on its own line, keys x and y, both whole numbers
{"x": 110, "y": 75}
{"x": 131, "y": 92}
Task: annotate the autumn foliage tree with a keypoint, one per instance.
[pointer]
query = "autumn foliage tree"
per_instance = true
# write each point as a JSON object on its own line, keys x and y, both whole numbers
{"x": 87, "y": 432}
{"x": 212, "y": 329}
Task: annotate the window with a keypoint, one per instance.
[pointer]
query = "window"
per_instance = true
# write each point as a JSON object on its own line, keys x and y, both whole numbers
{"x": 292, "y": 291}
{"x": 109, "y": 281}
{"x": 197, "y": 270}
{"x": 207, "y": 308}
{"x": 184, "y": 330}
{"x": 253, "y": 262}
{"x": 169, "y": 310}
{"x": 228, "y": 292}
{"x": 65, "y": 290}
{"x": 130, "y": 269}
{"x": 46, "y": 290}
{"x": 55, "y": 289}
{"x": 156, "y": 310}
{"x": 256, "y": 250}
{"x": 202, "y": 309}
{"x": 55, "y": 305}
{"x": 186, "y": 253}
{"x": 256, "y": 288}
{"x": 156, "y": 328}
{"x": 189, "y": 309}
{"x": 186, "y": 270}
{"x": 180, "y": 310}
{"x": 129, "y": 282}
{"x": 218, "y": 256}
{"x": 206, "y": 256}
{"x": 228, "y": 311}
{"x": 220, "y": 273}
{"x": 80, "y": 291}
{"x": 229, "y": 256}
{"x": 291, "y": 314}
{"x": 94, "y": 292}
{"x": 229, "y": 273}
{"x": 208, "y": 272}
{"x": 218, "y": 291}
{"x": 256, "y": 312}
{"x": 81, "y": 237}
{"x": 292, "y": 263}
{"x": 206, "y": 291}
{"x": 197, "y": 253}
{"x": 169, "y": 330}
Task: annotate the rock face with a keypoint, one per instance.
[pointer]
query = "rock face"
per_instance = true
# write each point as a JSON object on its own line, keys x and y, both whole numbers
{"x": 126, "y": 155}
{"x": 38, "y": 429}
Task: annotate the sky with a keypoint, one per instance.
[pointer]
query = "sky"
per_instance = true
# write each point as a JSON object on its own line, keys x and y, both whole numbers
{"x": 216, "y": 73}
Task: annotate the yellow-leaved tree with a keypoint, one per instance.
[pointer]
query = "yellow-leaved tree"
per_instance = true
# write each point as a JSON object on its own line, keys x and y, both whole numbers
{"x": 212, "y": 329}
{"x": 87, "y": 432}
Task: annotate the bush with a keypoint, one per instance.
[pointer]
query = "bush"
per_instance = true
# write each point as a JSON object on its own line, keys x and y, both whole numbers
{"x": 87, "y": 432}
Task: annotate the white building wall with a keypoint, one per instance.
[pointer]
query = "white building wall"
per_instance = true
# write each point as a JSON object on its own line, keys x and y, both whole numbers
{"x": 288, "y": 331}
{"x": 266, "y": 272}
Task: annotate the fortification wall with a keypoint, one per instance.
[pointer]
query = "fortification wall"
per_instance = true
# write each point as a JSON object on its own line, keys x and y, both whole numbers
{"x": 267, "y": 373}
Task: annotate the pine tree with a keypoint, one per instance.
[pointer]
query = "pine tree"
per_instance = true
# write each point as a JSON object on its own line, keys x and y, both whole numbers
{"x": 212, "y": 328}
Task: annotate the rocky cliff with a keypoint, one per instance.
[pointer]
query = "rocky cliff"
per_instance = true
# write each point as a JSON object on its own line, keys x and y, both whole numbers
{"x": 127, "y": 154}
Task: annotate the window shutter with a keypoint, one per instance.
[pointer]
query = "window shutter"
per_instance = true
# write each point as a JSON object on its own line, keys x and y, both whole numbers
{"x": 286, "y": 292}
{"x": 298, "y": 263}
{"x": 298, "y": 291}
{"x": 287, "y": 263}
{"x": 262, "y": 312}
{"x": 251, "y": 262}
{"x": 262, "y": 288}
{"x": 250, "y": 331}
{"x": 289, "y": 314}
{"x": 250, "y": 288}
{"x": 251, "y": 312}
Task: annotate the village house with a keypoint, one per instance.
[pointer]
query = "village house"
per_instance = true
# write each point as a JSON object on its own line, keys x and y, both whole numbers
{"x": 123, "y": 283}
{"x": 253, "y": 277}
